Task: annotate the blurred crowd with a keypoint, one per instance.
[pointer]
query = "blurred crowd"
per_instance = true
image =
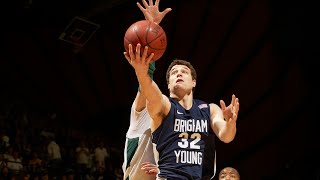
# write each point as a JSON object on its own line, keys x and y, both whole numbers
{"x": 34, "y": 149}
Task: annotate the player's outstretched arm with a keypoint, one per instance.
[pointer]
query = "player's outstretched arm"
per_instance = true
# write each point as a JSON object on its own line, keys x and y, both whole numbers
{"x": 223, "y": 120}
{"x": 158, "y": 104}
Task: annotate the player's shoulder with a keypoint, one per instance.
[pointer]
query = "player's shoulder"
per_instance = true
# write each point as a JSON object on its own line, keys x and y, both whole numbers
{"x": 213, "y": 106}
{"x": 214, "y": 109}
{"x": 201, "y": 104}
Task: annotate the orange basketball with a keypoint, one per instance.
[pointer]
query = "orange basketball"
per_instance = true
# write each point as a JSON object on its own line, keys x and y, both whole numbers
{"x": 148, "y": 34}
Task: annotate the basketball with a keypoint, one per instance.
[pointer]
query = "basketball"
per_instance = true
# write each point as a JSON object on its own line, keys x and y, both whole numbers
{"x": 148, "y": 34}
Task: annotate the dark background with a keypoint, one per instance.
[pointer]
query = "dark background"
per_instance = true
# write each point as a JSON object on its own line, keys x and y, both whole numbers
{"x": 259, "y": 50}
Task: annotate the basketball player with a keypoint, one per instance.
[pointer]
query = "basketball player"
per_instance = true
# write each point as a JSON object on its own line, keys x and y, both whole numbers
{"x": 180, "y": 124}
{"x": 139, "y": 162}
{"x": 229, "y": 173}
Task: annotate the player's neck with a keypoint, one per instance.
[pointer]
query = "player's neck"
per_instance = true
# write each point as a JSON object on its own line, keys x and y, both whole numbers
{"x": 185, "y": 100}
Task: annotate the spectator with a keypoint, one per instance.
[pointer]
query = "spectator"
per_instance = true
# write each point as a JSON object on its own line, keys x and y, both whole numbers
{"x": 229, "y": 173}
{"x": 100, "y": 154}
{"x": 14, "y": 163}
{"x": 82, "y": 158}
{"x": 35, "y": 165}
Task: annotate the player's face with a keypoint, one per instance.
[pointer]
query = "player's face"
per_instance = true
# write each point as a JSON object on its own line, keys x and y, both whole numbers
{"x": 180, "y": 77}
{"x": 229, "y": 174}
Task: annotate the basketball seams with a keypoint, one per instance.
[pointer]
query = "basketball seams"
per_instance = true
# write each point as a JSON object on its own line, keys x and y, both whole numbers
{"x": 156, "y": 39}
{"x": 147, "y": 33}
{"x": 146, "y": 38}
{"x": 137, "y": 36}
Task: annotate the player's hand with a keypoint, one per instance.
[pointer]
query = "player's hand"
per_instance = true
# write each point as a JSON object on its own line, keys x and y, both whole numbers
{"x": 151, "y": 11}
{"x": 149, "y": 168}
{"x": 139, "y": 62}
{"x": 230, "y": 113}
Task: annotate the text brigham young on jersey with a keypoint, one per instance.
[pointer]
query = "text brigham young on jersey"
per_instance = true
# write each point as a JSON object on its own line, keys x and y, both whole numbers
{"x": 195, "y": 127}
